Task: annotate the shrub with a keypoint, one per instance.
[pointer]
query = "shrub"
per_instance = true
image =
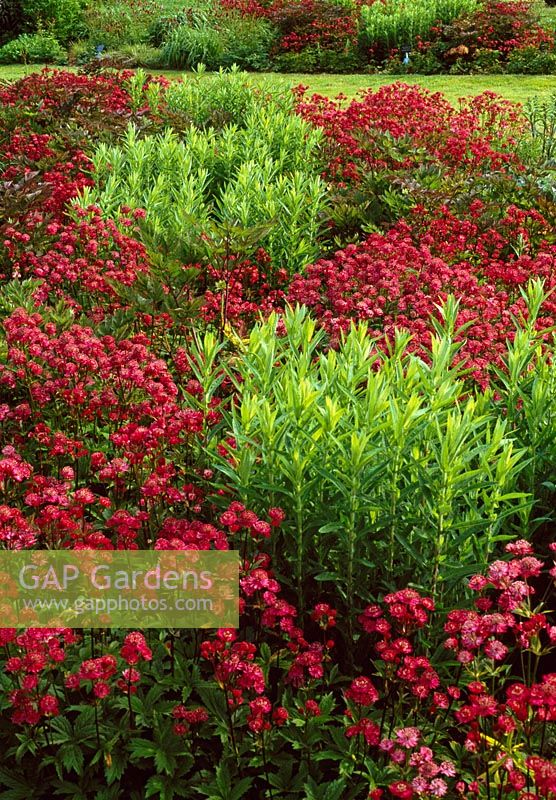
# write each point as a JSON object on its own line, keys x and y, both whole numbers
{"x": 34, "y": 48}
{"x": 423, "y": 63}
{"x": 531, "y": 61}
{"x": 248, "y": 41}
{"x": 186, "y": 47}
{"x": 401, "y": 146}
{"x": 304, "y": 61}
{"x": 139, "y": 55}
{"x": 115, "y": 24}
{"x": 222, "y": 98}
{"x": 488, "y": 61}
{"x": 313, "y": 59}
{"x": 498, "y": 26}
{"x": 319, "y": 24}
{"x": 260, "y": 181}
{"x": 10, "y": 20}
{"x": 232, "y": 39}
{"x": 346, "y": 61}
{"x": 367, "y": 449}
{"x": 404, "y": 281}
{"x": 168, "y": 19}
{"x": 62, "y": 18}
{"x": 80, "y": 52}
{"x": 161, "y": 28}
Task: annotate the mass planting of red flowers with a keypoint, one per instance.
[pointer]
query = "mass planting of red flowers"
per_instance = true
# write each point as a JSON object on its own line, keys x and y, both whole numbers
{"x": 106, "y": 404}
{"x": 480, "y": 135}
{"x": 399, "y": 279}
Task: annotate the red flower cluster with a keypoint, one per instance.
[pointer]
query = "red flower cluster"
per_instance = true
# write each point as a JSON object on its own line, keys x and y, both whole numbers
{"x": 507, "y": 24}
{"x": 241, "y": 291}
{"x": 187, "y": 718}
{"x": 98, "y": 672}
{"x": 398, "y": 280}
{"x": 234, "y": 668}
{"x": 478, "y": 136}
{"x": 506, "y": 589}
{"x": 83, "y": 258}
{"x": 362, "y": 692}
{"x": 51, "y": 91}
{"x": 135, "y": 648}
{"x": 304, "y": 23}
{"x": 40, "y": 652}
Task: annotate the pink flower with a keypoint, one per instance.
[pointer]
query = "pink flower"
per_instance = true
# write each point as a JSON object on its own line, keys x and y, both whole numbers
{"x": 495, "y": 650}
{"x": 438, "y": 787}
{"x": 408, "y": 737}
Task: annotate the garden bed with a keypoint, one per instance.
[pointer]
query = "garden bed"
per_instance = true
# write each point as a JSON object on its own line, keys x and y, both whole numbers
{"x": 319, "y": 333}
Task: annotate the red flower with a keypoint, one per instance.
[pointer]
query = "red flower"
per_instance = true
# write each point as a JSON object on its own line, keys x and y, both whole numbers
{"x": 135, "y": 648}
{"x": 362, "y": 692}
{"x": 401, "y": 789}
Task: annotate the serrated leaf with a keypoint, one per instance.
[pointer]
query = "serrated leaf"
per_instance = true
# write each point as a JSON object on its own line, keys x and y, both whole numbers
{"x": 72, "y": 758}
{"x": 240, "y": 788}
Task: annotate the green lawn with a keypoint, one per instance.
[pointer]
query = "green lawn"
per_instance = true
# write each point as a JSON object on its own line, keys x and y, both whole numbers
{"x": 517, "y": 88}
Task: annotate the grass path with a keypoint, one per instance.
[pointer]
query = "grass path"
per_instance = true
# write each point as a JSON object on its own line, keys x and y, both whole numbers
{"x": 517, "y": 88}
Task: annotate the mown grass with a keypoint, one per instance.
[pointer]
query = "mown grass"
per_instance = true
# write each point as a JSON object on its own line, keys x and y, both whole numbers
{"x": 518, "y": 88}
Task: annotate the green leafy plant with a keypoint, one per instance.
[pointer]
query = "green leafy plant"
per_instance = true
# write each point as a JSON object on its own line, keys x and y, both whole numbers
{"x": 62, "y": 18}
{"x": 220, "y": 42}
{"x": 541, "y": 117}
{"x": 366, "y": 462}
{"x": 221, "y": 98}
{"x": 531, "y": 61}
{"x": 116, "y": 24}
{"x": 262, "y": 174}
{"x": 395, "y": 23}
{"x": 188, "y": 46}
{"x": 33, "y": 48}
{"x": 140, "y": 55}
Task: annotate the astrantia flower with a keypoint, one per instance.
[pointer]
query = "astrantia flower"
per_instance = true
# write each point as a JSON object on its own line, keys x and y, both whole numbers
{"x": 362, "y": 692}
{"x": 408, "y": 737}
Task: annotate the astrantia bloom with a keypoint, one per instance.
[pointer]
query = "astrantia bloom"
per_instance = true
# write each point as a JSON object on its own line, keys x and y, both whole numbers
{"x": 362, "y": 692}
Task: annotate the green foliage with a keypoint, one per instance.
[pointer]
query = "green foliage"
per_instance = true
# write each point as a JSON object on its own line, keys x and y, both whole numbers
{"x": 188, "y": 46}
{"x": 419, "y": 63}
{"x": 313, "y": 59}
{"x": 224, "y": 97}
{"x": 304, "y": 61}
{"x": 532, "y": 61}
{"x": 62, "y": 18}
{"x": 33, "y": 48}
{"x": 489, "y": 61}
{"x": 349, "y": 60}
{"x": 541, "y": 116}
{"x": 232, "y": 39}
{"x": 161, "y": 28}
{"x": 391, "y": 475}
{"x": 394, "y": 23}
{"x": 262, "y": 174}
{"x": 248, "y": 41}
{"x": 114, "y": 24}
{"x": 80, "y": 52}
{"x": 139, "y": 55}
